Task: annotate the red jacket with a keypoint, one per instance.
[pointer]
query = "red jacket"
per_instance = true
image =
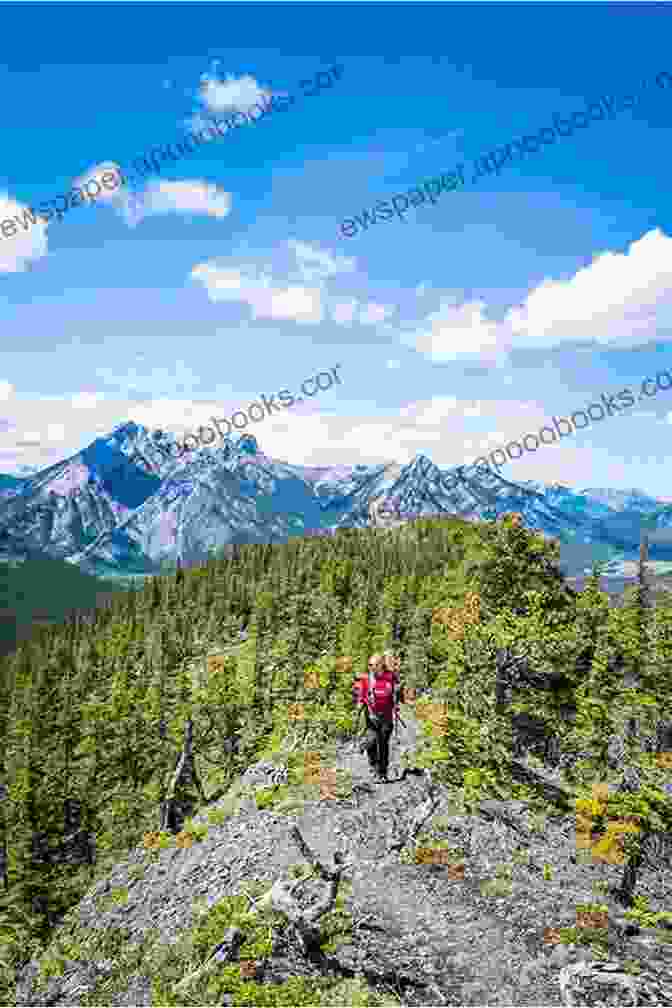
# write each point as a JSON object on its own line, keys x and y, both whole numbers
{"x": 383, "y": 694}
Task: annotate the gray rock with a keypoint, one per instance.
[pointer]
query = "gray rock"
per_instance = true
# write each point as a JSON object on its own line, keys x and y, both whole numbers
{"x": 560, "y": 955}
{"x": 583, "y": 984}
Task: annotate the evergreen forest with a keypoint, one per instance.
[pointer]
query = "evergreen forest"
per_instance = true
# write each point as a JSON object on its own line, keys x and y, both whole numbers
{"x": 95, "y": 711}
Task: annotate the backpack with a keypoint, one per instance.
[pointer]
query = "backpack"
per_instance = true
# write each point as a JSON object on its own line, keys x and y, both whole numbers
{"x": 396, "y": 682}
{"x": 371, "y": 698}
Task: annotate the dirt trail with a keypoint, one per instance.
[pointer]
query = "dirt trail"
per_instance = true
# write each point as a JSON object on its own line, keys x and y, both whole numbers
{"x": 471, "y": 956}
{"x": 351, "y": 759}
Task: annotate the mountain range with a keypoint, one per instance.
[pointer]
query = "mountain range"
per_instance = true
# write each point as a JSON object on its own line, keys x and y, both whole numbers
{"x": 122, "y": 510}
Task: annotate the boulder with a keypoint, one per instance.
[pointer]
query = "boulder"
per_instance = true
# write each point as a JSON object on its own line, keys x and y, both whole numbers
{"x": 607, "y": 983}
{"x": 264, "y": 774}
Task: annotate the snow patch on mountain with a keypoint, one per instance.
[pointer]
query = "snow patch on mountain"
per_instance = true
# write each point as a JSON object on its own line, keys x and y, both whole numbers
{"x": 127, "y": 505}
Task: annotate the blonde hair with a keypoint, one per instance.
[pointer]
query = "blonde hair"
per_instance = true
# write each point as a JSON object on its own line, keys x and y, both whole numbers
{"x": 391, "y": 661}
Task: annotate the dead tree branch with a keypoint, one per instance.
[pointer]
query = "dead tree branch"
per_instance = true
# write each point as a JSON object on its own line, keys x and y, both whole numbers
{"x": 177, "y": 802}
{"x": 225, "y": 951}
{"x": 280, "y": 898}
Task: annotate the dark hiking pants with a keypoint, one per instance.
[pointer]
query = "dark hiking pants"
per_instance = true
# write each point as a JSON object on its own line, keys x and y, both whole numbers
{"x": 378, "y": 734}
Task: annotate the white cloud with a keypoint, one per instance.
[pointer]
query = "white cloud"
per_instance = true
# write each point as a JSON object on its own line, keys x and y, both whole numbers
{"x": 372, "y": 313}
{"x": 44, "y": 431}
{"x": 324, "y": 439}
{"x": 295, "y": 303}
{"x": 301, "y": 296}
{"x": 318, "y": 265}
{"x": 56, "y": 432}
{"x": 177, "y": 375}
{"x": 191, "y": 196}
{"x": 84, "y": 400}
{"x": 301, "y": 304}
{"x": 6, "y": 391}
{"x": 177, "y": 416}
{"x": 620, "y": 299}
{"x": 94, "y": 174}
{"x": 343, "y": 312}
{"x": 232, "y": 93}
{"x": 452, "y": 431}
{"x": 457, "y": 331}
{"x": 222, "y": 283}
{"x": 18, "y": 250}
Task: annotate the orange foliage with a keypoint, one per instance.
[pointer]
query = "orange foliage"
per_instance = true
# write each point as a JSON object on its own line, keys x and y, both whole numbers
{"x": 592, "y": 919}
{"x": 311, "y": 772}
{"x": 457, "y": 619}
{"x": 216, "y": 664}
{"x": 327, "y": 784}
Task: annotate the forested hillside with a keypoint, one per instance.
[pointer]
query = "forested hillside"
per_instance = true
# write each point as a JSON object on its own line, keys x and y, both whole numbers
{"x": 95, "y": 712}
{"x": 41, "y": 589}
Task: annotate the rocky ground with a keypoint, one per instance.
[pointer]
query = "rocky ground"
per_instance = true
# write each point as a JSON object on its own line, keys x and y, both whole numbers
{"x": 422, "y": 934}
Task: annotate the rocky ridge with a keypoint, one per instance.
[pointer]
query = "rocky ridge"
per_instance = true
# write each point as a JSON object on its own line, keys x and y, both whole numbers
{"x": 420, "y": 934}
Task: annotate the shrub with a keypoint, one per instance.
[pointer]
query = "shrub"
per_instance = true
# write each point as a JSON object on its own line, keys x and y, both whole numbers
{"x": 642, "y": 915}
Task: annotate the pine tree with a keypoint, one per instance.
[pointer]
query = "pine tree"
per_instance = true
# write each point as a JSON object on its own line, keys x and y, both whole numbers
{"x": 355, "y": 643}
{"x": 417, "y": 651}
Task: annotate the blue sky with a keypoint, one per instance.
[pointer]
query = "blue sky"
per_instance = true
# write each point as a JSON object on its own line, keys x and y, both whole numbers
{"x": 463, "y": 326}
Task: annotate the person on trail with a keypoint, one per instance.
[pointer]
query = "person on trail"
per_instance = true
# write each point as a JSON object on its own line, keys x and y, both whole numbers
{"x": 393, "y": 666}
{"x": 376, "y": 696}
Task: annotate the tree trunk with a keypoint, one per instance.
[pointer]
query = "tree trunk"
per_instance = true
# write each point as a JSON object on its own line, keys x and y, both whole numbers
{"x": 625, "y": 893}
{"x": 179, "y": 804}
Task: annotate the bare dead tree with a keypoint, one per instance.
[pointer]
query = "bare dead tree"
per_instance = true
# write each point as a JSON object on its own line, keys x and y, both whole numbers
{"x": 178, "y": 803}
{"x": 281, "y": 898}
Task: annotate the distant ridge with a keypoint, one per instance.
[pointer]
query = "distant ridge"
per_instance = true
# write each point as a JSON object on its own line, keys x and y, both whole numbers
{"x": 122, "y": 509}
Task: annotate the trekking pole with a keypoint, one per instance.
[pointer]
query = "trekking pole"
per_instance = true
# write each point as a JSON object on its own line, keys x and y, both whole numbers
{"x": 357, "y": 721}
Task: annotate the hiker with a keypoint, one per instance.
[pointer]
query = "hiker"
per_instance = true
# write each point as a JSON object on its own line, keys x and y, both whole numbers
{"x": 376, "y": 695}
{"x": 392, "y": 665}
